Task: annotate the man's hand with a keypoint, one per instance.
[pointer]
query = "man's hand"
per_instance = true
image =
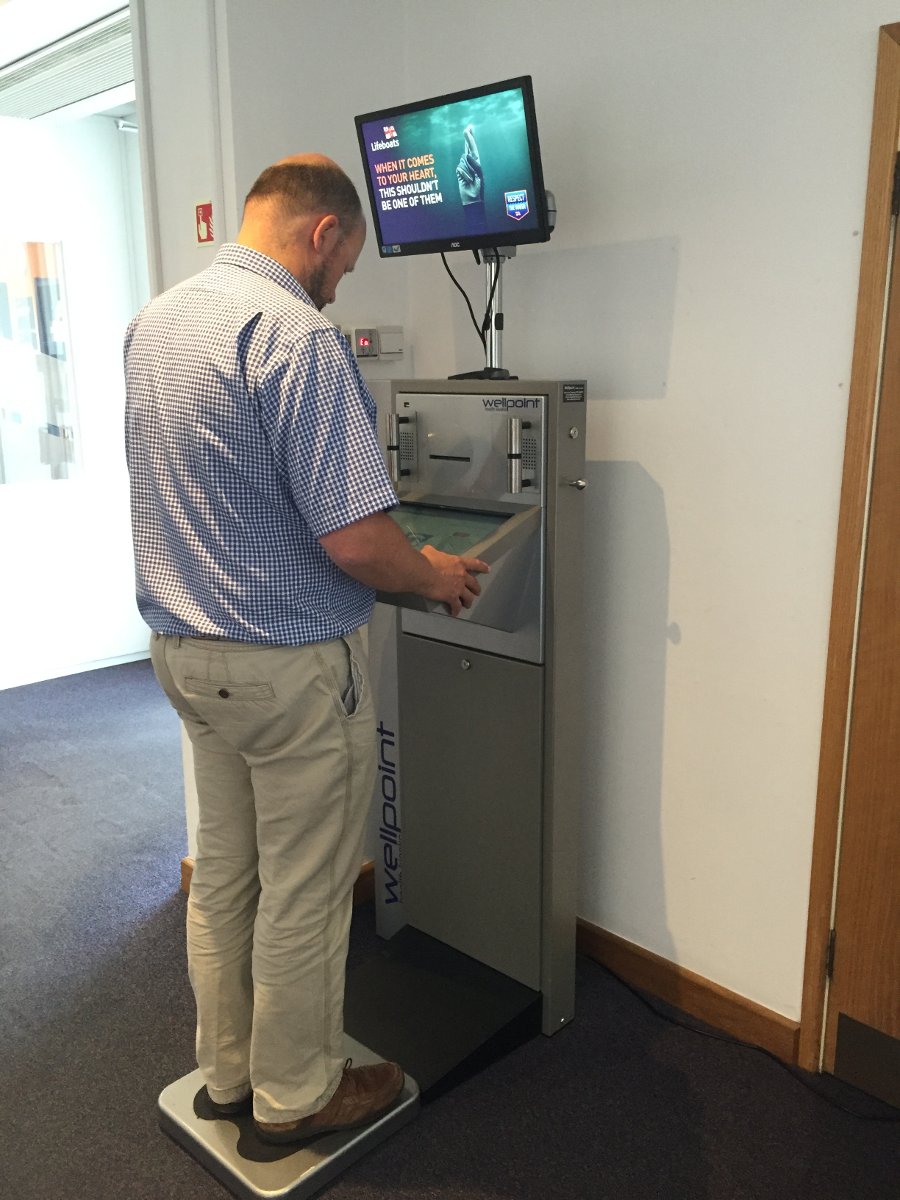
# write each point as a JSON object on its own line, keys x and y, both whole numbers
{"x": 455, "y": 581}
{"x": 375, "y": 551}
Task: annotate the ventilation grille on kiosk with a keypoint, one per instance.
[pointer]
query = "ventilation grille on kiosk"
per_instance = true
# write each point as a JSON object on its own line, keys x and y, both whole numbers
{"x": 529, "y": 454}
{"x": 407, "y": 447}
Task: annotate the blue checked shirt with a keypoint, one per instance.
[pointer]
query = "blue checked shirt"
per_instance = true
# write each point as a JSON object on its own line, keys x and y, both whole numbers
{"x": 250, "y": 434}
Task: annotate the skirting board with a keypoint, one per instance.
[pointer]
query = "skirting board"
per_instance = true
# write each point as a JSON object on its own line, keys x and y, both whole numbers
{"x": 701, "y": 998}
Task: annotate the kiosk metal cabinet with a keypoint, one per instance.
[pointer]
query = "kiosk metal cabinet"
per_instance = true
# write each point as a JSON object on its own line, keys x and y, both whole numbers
{"x": 480, "y": 861}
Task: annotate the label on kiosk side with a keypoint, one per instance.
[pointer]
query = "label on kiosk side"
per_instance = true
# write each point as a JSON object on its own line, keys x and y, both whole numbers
{"x": 386, "y": 830}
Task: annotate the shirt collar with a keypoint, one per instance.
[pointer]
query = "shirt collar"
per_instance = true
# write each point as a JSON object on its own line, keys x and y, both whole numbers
{"x": 233, "y": 255}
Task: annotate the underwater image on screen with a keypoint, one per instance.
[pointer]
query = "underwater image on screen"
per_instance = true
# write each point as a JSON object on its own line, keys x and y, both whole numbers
{"x": 456, "y": 170}
{"x": 453, "y": 532}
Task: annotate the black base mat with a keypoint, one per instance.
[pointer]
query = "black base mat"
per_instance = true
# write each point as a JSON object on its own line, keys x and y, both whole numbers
{"x": 437, "y": 1012}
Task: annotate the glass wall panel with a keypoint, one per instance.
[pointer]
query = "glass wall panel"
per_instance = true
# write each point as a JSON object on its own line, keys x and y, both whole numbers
{"x": 38, "y": 406}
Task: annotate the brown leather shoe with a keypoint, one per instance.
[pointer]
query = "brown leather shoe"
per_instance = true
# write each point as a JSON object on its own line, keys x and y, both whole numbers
{"x": 363, "y": 1094}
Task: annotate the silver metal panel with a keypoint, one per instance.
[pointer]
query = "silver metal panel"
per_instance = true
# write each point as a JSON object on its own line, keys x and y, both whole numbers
{"x": 553, "y": 460}
{"x": 472, "y": 770}
{"x": 564, "y": 725}
{"x": 463, "y": 441}
{"x": 294, "y": 1172}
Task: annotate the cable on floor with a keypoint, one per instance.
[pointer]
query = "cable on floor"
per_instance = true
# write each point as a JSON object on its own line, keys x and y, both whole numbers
{"x": 794, "y": 1072}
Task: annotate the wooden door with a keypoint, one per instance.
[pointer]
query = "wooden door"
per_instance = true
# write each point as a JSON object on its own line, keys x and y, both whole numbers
{"x": 862, "y": 1035}
{"x": 850, "y": 1022}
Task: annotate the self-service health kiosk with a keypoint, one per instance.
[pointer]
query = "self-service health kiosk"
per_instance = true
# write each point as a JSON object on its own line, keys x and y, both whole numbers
{"x": 479, "y": 778}
{"x": 479, "y": 771}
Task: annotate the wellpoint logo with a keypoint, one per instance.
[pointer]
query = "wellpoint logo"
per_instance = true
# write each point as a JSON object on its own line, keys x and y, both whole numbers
{"x": 504, "y": 402}
{"x": 389, "y": 831}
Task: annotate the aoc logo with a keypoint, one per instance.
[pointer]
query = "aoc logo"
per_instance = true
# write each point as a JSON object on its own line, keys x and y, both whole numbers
{"x": 505, "y": 402}
{"x": 389, "y": 830}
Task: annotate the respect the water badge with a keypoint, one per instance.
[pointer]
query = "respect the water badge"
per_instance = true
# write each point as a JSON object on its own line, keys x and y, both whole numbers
{"x": 516, "y": 204}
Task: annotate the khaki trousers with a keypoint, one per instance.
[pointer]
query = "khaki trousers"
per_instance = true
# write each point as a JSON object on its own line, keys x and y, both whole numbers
{"x": 284, "y": 762}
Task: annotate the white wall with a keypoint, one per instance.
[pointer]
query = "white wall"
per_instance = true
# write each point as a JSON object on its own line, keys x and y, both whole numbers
{"x": 211, "y": 122}
{"x": 176, "y": 76}
{"x": 326, "y": 64}
{"x": 709, "y": 162}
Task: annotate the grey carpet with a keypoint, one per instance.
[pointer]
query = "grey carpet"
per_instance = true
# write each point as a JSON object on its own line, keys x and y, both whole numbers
{"x": 96, "y": 1018}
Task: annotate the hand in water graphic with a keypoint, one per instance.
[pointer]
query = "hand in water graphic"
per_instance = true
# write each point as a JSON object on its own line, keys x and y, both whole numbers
{"x": 468, "y": 170}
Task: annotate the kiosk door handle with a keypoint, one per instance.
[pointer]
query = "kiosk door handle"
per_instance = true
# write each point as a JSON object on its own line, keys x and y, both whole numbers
{"x": 393, "y": 447}
{"x": 395, "y": 470}
{"x": 514, "y": 455}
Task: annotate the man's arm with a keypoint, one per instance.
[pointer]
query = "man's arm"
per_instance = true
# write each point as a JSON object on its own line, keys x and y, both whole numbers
{"x": 376, "y": 552}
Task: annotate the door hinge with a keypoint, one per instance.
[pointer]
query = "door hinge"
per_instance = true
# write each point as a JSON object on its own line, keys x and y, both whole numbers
{"x": 895, "y": 198}
{"x": 829, "y": 955}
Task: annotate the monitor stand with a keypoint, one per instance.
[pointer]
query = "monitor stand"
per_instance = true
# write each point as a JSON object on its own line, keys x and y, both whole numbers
{"x": 251, "y": 1168}
{"x": 485, "y": 373}
{"x": 493, "y": 316}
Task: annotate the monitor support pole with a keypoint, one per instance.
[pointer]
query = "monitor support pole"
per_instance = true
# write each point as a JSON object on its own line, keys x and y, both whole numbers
{"x": 493, "y": 295}
{"x": 493, "y": 260}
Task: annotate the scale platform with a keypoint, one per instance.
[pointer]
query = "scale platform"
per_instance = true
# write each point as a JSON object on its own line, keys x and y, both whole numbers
{"x": 230, "y": 1150}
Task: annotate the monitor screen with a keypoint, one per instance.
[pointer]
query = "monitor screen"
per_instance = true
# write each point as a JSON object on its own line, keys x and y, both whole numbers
{"x": 456, "y": 172}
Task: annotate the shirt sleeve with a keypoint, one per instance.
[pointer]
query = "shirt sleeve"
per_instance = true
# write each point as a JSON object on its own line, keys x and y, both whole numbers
{"x": 320, "y": 418}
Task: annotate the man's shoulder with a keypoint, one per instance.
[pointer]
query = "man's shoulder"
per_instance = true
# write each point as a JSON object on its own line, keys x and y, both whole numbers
{"x": 225, "y": 296}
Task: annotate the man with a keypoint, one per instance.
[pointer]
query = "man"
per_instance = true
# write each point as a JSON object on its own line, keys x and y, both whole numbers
{"x": 259, "y": 501}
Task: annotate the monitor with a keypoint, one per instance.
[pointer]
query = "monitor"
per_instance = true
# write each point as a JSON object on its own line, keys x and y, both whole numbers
{"x": 457, "y": 172}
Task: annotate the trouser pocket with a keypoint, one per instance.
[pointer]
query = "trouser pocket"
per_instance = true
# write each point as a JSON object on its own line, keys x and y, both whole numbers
{"x": 352, "y": 681}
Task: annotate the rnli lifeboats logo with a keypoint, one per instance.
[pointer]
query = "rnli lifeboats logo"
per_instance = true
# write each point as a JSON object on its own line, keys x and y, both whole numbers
{"x": 390, "y": 141}
{"x": 516, "y": 204}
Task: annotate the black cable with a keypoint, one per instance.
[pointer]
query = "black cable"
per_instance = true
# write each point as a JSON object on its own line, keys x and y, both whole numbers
{"x": 794, "y": 1072}
{"x": 486, "y": 323}
{"x": 480, "y": 332}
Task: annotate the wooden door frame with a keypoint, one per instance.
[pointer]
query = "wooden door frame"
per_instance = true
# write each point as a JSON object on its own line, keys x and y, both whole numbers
{"x": 851, "y": 525}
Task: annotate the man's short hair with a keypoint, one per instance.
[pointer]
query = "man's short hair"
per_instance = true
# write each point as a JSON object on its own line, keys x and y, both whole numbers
{"x": 305, "y": 188}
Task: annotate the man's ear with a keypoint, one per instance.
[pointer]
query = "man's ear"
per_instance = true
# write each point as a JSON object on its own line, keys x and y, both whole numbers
{"x": 326, "y": 234}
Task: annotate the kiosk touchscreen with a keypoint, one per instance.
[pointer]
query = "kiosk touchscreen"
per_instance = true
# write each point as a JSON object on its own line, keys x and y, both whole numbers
{"x": 453, "y": 531}
{"x": 492, "y": 535}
